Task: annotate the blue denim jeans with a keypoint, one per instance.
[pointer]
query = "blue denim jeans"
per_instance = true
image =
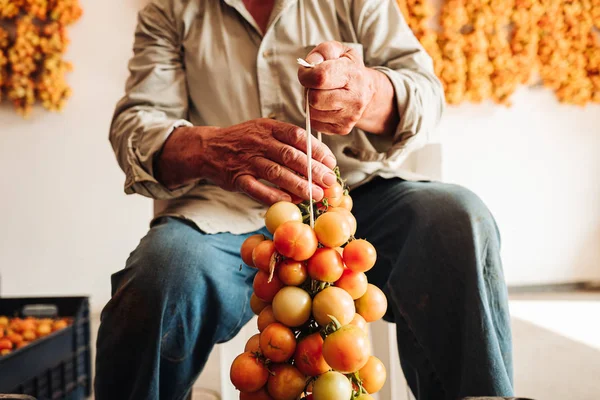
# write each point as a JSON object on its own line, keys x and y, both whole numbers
{"x": 182, "y": 291}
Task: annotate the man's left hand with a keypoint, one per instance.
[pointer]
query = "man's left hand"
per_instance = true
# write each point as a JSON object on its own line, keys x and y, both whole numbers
{"x": 341, "y": 87}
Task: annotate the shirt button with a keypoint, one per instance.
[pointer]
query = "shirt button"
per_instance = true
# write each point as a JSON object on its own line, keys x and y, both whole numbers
{"x": 267, "y": 53}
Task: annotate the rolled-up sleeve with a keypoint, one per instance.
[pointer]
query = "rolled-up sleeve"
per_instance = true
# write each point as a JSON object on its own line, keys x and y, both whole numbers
{"x": 155, "y": 101}
{"x": 391, "y": 47}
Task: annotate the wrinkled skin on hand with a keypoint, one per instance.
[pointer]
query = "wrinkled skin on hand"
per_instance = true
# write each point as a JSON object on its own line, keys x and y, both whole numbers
{"x": 238, "y": 157}
{"x": 342, "y": 87}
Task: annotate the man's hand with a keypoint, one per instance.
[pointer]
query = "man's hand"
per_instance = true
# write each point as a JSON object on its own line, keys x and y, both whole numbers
{"x": 345, "y": 93}
{"x": 235, "y": 158}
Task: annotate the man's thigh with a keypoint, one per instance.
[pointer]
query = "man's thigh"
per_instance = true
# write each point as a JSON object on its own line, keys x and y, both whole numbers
{"x": 428, "y": 217}
{"x": 186, "y": 272}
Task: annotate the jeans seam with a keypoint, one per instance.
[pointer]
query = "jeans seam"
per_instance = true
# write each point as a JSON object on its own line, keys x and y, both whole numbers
{"x": 429, "y": 365}
{"x": 239, "y": 324}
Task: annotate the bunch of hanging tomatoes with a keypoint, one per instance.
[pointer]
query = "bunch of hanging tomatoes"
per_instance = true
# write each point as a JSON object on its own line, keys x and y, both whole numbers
{"x": 313, "y": 302}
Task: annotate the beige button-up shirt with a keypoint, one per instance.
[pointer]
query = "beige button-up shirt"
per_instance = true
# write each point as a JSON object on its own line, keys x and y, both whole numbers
{"x": 206, "y": 62}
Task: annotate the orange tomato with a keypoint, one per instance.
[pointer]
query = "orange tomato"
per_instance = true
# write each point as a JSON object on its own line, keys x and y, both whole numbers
{"x": 347, "y": 349}
{"x": 5, "y": 344}
{"x": 265, "y": 318}
{"x": 295, "y": 240}
{"x": 325, "y": 265}
{"x": 285, "y": 382}
{"x": 334, "y": 194}
{"x": 252, "y": 345}
{"x": 277, "y": 342}
{"x": 332, "y": 229}
{"x": 355, "y": 283}
{"x": 309, "y": 356}
{"x": 360, "y": 255}
{"x": 261, "y": 255}
{"x": 372, "y": 305}
{"x": 359, "y": 321}
{"x": 256, "y": 304}
{"x": 264, "y": 289}
{"x": 292, "y": 273}
{"x": 373, "y": 375}
{"x": 333, "y": 301}
{"x": 248, "y": 247}
{"x": 248, "y": 373}
{"x": 348, "y": 215}
{"x": 346, "y": 203}
{"x": 262, "y": 394}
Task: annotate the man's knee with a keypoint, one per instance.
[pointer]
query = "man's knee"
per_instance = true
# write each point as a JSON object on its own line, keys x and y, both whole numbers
{"x": 453, "y": 212}
{"x": 170, "y": 262}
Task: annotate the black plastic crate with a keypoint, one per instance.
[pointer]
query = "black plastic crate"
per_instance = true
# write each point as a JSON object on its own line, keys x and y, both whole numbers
{"x": 57, "y": 366}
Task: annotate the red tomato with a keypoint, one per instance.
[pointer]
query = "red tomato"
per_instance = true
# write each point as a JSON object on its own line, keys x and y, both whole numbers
{"x": 248, "y": 247}
{"x": 347, "y": 349}
{"x": 309, "y": 356}
{"x": 360, "y": 255}
{"x": 355, "y": 283}
{"x": 264, "y": 289}
{"x": 332, "y": 229}
{"x": 252, "y": 345}
{"x": 372, "y": 305}
{"x": 325, "y": 265}
{"x": 285, "y": 382}
{"x": 262, "y": 253}
{"x": 373, "y": 375}
{"x": 333, "y": 301}
{"x": 295, "y": 240}
{"x": 247, "y": 373}
{"x": 334, "y": 194}
{"x": 265, "y": 318}
{"x": 277, "y": 342}
{"x": 292, "y": 273}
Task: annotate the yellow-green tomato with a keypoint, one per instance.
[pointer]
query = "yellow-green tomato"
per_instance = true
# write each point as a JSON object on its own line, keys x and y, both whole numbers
{"x": 281, "y": 212}
{"x": 292, "y": 306}
{"x": 332, "y": 386}
{"x": 364, "y": 397}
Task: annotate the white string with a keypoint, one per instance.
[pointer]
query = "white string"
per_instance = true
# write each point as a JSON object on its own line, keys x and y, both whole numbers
{"x": 309, "y": 155}
{"x": 309, "y": 149}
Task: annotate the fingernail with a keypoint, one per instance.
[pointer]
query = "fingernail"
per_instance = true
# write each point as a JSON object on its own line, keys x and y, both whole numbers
{"x": 329, "y": 179}
{"x": 330, "y": 161}
{"x": 315, "y": 58}
{"x": 318, "y": 193}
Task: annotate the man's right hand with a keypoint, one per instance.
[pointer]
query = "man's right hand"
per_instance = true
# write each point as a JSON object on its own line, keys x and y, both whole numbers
{"x": 237, "y": 157}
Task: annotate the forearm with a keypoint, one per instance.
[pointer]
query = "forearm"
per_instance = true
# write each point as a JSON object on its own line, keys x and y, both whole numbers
{"x": 181, "y": 160}
{"x": 381, "y": 115}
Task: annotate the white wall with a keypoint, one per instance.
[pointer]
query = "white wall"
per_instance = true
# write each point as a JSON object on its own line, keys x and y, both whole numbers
{"x": 66, "y": 224}
{"x": 537, "y": 166}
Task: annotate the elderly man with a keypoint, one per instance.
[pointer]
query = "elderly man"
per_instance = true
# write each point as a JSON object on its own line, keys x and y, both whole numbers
{"x": 209, "y": 126}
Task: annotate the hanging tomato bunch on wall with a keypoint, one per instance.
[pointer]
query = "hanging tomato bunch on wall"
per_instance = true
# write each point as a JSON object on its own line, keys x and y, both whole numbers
{"x": 33, "y": 40}
{"x": 485, "y": 49}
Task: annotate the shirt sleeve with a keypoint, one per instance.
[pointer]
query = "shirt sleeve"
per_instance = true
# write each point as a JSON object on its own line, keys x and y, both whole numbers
{"x": 155, "y": 101}
{"x": 391, "y": 47}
